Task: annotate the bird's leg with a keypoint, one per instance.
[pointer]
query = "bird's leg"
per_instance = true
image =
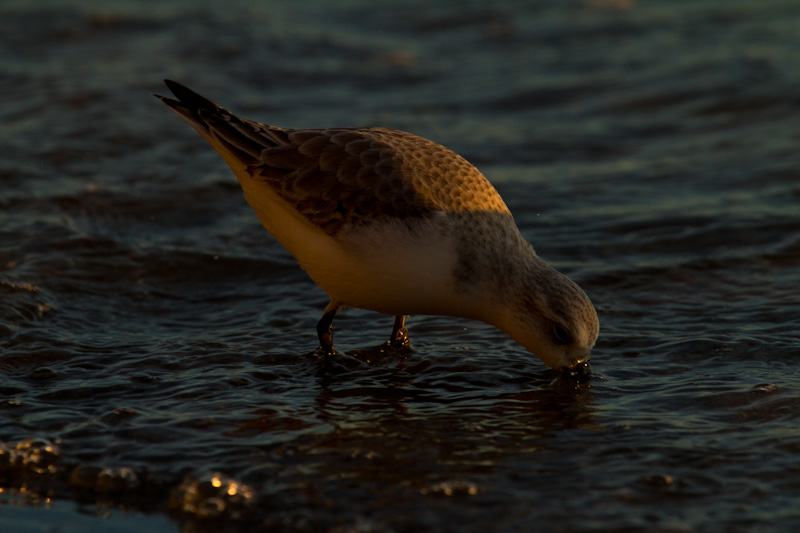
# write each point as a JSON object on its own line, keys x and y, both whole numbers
{"x": 399, "y": 336}
{"x": 325, "y": 328}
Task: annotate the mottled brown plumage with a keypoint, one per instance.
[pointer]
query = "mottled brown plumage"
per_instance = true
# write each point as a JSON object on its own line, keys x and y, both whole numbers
{"x": 346, "y": 176}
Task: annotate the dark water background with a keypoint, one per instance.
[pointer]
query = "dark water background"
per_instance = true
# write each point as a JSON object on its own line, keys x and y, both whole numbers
{"x": 156, "y": 367}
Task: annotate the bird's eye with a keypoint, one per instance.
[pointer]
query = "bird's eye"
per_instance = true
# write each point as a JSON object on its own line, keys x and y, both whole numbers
{"x": 561, "y": 335}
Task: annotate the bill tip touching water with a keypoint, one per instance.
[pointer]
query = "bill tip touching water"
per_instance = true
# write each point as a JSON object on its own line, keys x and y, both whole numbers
{"x": 391, "y": 222}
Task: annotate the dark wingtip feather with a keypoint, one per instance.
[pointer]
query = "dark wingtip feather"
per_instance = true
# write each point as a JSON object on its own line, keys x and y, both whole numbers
{"x": 165, "y": 99}
{"x": 188, "y": 98}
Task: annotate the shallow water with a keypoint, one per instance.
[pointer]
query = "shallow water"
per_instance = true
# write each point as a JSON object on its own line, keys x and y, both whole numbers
{"x": 156, "y": 366}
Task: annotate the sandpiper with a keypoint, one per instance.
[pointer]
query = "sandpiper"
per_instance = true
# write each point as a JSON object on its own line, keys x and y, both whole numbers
{"x": 392, "y": 222}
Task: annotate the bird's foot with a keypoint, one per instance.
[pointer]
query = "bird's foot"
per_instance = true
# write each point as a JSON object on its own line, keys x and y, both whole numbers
{"x": 329, "y": 353}
{"x": 399, "y": 338}
{"x": 326, "y": 348}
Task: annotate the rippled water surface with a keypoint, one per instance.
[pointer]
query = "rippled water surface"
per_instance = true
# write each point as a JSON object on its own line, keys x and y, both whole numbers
{"x": 156, "y": 345}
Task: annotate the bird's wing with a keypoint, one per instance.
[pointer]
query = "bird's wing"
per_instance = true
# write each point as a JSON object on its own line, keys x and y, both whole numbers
{"x": 338, "y": 177}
